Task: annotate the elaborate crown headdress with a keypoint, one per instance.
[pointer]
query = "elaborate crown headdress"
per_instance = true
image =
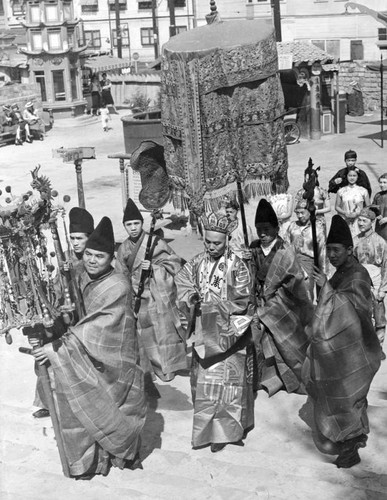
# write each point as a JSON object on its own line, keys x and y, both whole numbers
{"x": 218, "y": 222}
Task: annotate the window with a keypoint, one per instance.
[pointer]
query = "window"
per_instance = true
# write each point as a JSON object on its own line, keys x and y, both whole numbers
{"x": 18, "y": 8}
{"x": 179, "y": 3}
{"x": 36, "y": 40}
{"x": 357, "y": 50}
{"x": 124, "y": 37}
{"x": 34, "y": 13}
{"x": 41, "y": 80}
{"x": 59, "y": 88}
{"x": 67, "y": 11}
{"x": 54, "y": 39}
{"x": 52, "y": 14}
{"x": 144, "y": 5}
{"x": 332, "y": 47}
{"x": 147, "y": 36}
{"x": 382, "y": 34}
{"x": 180, "y": 29}
{"x": 94, "y": 38}
{"x": 121, "y": 4}
{"x": 71, "y": 38}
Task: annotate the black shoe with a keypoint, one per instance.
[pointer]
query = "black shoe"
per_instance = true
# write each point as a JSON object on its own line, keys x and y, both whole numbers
{"x": 215, "y": 447}
{"x": 349, "y": 455}
{"x": 382, "y": 356}
{"x": 18, "y": 142}
{"x": 42, "y": 413}
{"x": 347, "y": 460}
{"x": 134, "y": 464}
{"x": 84, "y": 477}
{"x": 29, "y": 139}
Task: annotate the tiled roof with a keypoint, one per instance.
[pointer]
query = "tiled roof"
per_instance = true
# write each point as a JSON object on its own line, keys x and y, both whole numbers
{"x": 304, "y": 52}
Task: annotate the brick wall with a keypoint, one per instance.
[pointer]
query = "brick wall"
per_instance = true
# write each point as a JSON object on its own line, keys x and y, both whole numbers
{"x": 20, "y": 93}
{"x": 369, "y": 82}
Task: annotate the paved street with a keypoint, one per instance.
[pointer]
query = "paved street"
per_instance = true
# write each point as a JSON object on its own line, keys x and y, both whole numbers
{"x": 279, "y": 459}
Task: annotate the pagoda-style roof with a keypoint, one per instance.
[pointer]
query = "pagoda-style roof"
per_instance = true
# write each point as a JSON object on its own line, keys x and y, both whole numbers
{"x": 304, "y": 53}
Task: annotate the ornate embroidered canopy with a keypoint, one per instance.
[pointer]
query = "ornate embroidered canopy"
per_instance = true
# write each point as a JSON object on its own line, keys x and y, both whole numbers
{"x": 222, "y": 107}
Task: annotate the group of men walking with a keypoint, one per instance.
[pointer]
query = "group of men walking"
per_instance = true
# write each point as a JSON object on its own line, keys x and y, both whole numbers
{"x": 249, "y": 319}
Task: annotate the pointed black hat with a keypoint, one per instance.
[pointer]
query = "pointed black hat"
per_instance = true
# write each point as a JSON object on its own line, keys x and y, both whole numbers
{"x": 131, "y": 212}
{"x": 265, "y": 213}
{"x": 102, "y": 238}
{"x": 81, "y": 221}
{"x": 339, "y": 232}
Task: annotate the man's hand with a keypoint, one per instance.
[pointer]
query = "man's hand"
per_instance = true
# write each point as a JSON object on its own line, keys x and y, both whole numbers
{"x": 383, "y": 220}
{"x": 247, "y": 254}
{"x": 339, "y": 180}
{"x": 145, "y": 265}
{"x": 40, "y": 355}
{"x": 380, "y": 295}
{"x": 318, "y": 277}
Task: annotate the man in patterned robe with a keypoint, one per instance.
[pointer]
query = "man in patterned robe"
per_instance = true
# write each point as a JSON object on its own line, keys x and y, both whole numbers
{"x": 161, "y": 335}
{"x": 283, "y": 306}
{"x": 370, "y": 249}
{"x": 97, "y": 378}
{"x": 217, "y": 283}
{"x": 344, "y": 352}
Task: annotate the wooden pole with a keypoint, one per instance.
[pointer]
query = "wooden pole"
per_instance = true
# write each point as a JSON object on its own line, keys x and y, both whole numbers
{"x": 118, "y": 29}
{"x": 172, "y": 19}
{"x": 81, "y": 193}
{"x": 243, "y": 214}
{"x": 155, "y": 30}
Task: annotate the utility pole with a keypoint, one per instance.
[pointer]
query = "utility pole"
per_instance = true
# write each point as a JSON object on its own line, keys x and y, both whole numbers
{"x": 155, "y": 29}
{"x": 275, "y": 7}
{"x": 118, "y": 29}
{"x": 172, "y": 19}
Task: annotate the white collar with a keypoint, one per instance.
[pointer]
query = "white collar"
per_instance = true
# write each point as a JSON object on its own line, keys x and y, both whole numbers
{"x": 267, "y": 250}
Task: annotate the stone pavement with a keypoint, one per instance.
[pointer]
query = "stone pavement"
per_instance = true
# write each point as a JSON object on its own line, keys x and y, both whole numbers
{"x": 279, "y": 460}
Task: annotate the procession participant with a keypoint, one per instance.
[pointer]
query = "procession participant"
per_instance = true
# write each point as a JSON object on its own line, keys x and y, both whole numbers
{"x": 237, "y": 238}
{"x": 219, "y": 283}
{"x": 340, "y": 180}
{"x": 380, "y": 199}
{"x": 370, "y": 249}
{"x": 299, "y": 236}
{"x": 344, "y": 352}
{"x": 321, "y": 201}
{"x": 162, "y": 336}
{"x": 283, "y": 306}
{"x": 97, "y": 377}
{"x": 80, "y": 227}
{"x": 351, "y": 199}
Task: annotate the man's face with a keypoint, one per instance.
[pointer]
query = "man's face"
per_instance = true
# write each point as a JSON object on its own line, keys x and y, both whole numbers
{"x": 350, "y": 162}
{"x": 78, "y": 241}
{"x": 383, "y": 184}
{"x": 266, "y": 232}
{"x": 338, "y": 253}
{"x": 303, "y": 216}
{"x": 215, "y": 243}
{"x": 96, "y": 262}
{"x": 133, "y": 228}
{"x": 231, "y": 214}
{"x": 365, "y": 224}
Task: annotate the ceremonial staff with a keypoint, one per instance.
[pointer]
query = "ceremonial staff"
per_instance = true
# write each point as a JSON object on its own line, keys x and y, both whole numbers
{"x": 310, "y": 182}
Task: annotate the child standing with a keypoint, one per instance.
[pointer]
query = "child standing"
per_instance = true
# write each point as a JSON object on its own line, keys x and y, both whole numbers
{"x": 380, "y": 199}
{"x": 105, "y": 117}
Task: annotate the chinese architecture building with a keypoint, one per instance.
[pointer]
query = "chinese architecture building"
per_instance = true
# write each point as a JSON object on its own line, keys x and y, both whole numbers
{"x": 54, "y": 44}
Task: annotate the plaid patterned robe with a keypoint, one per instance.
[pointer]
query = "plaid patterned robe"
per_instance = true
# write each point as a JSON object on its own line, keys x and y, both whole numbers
{"x": 284, "y": 309}
{"x": 98, "y": 382}
{"x": 221, "y": 379}
{"x": 344, "y": 354}
{"x": 161, "y": 333}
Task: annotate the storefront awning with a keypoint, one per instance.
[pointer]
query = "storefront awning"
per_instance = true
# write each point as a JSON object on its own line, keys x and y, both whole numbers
{"x": 105, "y": 63}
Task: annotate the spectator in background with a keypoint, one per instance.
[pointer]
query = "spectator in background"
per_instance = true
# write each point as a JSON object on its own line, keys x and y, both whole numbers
{"x": 107, "y": 97}
{"x": 340, "y": 180}
{"x": 95, "y": 90}
{"x": 380, "y": 199}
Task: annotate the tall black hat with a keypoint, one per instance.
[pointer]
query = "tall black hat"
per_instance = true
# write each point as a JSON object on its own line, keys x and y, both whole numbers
{"x": 339, "y": 232}
{"x": 350, "y": 154}
{"x": 132, "y": 212}
{"x": 102, "y": 238}
{"x": 265, "y": 213}
{"x": 81, "y": 221}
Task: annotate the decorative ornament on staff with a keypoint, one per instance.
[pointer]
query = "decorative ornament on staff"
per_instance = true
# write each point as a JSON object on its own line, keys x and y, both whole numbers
{"x": 148, "y": 160}
{"x": 310, "y": 183}
{"x": 222, "y": 115}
